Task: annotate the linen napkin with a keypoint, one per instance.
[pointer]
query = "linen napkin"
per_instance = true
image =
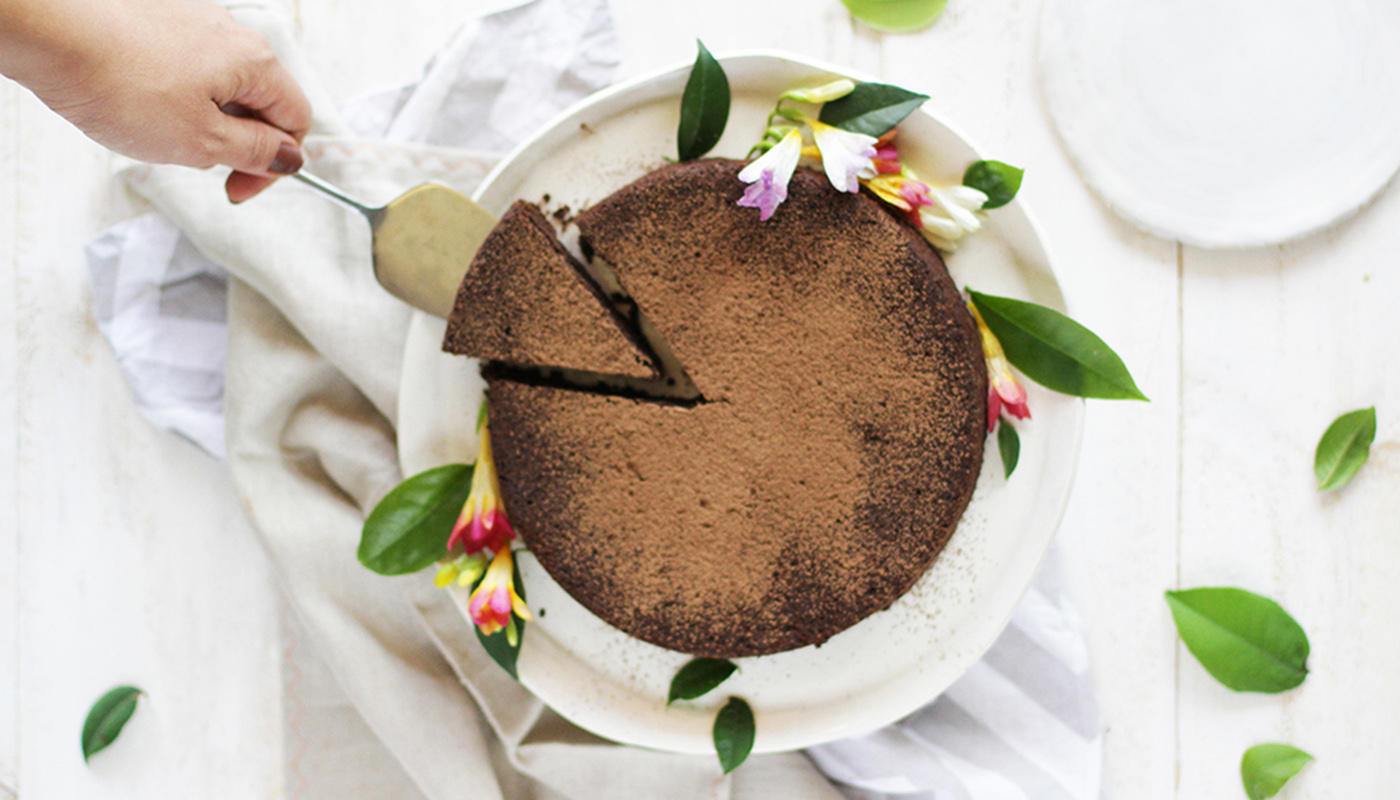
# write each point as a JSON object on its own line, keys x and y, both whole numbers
{"x": 313, "y": 358}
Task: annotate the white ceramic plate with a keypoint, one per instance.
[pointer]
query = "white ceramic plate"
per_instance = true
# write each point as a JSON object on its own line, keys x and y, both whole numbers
{"x": 895, "y": 660}
{"x": 1226, "y": 123}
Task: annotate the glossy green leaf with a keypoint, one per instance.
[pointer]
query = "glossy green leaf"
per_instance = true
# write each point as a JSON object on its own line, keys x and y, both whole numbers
{"x": 1344, "y": 448}
{"x": 1055, "y": 351}
{"x": 1247, "y": 642}
{"x": 999, "y": 182}
{"x": 1009, "y": 443}
{"x": 408, "y": 530}
{"x": 699, "y": 676}
{"x": 107, "y": 717}
{"x": 733, "y": 733}
{"x": 871, "y": 108}
{"x": 500, "y": 649}
{"x": 896, "y": 16}
{"x": 704, "y": 107}
{"x": 1266, "y": 768}
{"x": 498, "y": 644}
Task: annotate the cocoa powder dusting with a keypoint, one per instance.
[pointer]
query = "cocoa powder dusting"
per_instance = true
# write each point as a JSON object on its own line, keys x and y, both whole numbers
{"x": 840, "y": 444}
{"x": 524, "y": 300}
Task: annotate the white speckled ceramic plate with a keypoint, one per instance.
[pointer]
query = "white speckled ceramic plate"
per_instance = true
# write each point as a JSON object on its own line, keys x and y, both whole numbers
{"x": 1226, "y": 123}
{"x": 895, "y": 660}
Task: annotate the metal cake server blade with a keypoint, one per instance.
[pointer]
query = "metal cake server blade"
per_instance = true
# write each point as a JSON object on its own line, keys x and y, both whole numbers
{"x": 423, "y": 241}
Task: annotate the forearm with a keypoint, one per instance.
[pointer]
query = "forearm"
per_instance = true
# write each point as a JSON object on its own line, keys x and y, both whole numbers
{"x": 152, "y": 79}
{"x": 45, "y": 43}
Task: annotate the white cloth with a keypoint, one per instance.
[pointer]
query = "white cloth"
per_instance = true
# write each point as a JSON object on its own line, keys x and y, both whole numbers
{"x": 314, "y": 349}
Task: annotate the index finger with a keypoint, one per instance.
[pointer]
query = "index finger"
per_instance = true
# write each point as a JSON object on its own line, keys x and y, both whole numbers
{"x": 274, "y": 96}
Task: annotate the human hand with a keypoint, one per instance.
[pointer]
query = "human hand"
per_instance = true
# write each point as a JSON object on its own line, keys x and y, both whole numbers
{"x": 165, "y": 81}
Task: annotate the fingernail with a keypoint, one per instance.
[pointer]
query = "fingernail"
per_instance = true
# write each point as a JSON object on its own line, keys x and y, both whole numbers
{"x": 288, "y": 160}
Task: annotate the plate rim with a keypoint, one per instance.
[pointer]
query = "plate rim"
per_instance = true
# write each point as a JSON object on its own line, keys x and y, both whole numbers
{"x": 775, "y": 741}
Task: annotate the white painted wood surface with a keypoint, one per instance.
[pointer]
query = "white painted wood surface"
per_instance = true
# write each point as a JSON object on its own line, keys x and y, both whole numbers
{"x": 123, "y": 556}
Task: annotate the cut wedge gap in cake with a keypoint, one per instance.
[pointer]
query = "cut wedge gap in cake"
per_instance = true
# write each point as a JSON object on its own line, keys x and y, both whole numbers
{"x": 519, "y": 310}
{"x": 651, "y": 390}
{"x": 672, "y": 372}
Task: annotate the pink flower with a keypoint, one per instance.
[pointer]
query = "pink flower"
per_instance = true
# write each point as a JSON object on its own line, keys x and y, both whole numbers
{"x": 886, "y": 156}
{"x": 1003, "y": 390}
{"x": 483, "y": 523}
{"x": 943, "y": 214}
{"x": 769, "y": 174}
{"x": 495, "y": 598}
{"x": 904, "y": 192}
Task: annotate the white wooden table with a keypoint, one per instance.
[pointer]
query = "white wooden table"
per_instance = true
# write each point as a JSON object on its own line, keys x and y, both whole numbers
{"x": 124, "y": 557}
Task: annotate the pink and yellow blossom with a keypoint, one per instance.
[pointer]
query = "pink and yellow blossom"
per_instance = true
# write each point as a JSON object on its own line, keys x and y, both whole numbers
{"x": 904, "y": 192}
{"x": 943, "y": 214}
{"x": 495, "y": 598}
{"x": 886, "y": 156}
{"x": 1004, "y": 392}
{"x": 483, "y": 523}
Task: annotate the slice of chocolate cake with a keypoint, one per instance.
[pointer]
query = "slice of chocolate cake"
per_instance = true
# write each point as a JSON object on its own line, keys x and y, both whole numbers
{"x": 526, "y": 302}
{"x": 837, "y": 444}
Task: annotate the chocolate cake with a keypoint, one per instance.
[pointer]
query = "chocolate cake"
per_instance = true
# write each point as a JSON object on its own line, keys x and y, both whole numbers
{"x": 525, "y": 301}
{"x": 836, "y": 443}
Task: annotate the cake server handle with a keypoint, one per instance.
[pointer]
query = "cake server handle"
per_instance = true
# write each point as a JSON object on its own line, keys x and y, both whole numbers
{"x": 335, "y": 193}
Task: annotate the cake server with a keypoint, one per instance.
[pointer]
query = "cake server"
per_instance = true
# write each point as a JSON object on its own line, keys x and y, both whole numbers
{"x": 423, "y": 241}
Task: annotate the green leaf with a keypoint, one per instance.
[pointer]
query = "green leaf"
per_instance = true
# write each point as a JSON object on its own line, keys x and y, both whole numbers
{"x": 896, "y": 16}
{"x": 1245, "y": 641}
{"x": 871, "y": 108}
{"x": 698, "y": 677}
{"x": 1266, "y": 768}
{"x": 498, "y": 644}
{"x": 733, "y": 734}
{"x": 1344, "y": 448}
{"x": 704, "y": 107}
{"x": 1009, "y": 443}
{"x": 408, "y": 530}
{"x": 1055, "y": 351}
{"x": 107, "y": 718}
{"x": 999, "y": 182}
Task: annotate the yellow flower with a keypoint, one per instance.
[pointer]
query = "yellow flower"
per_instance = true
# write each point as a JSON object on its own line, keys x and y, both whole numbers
{"x": 1003, "y": 390}
{"x": 493, "y": 601}
{"x": 483, "y": 523}
{"x": 464, "y": 569}
{"x": 903, "y": 191}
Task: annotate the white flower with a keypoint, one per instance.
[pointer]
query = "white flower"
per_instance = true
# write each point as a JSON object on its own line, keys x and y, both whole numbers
{"x": 768, "y": 175}
{"x": 958, "y": 204}
{"x": 846, "y": 156}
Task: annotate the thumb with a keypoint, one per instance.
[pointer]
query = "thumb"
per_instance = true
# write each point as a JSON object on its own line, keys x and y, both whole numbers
{"x": 257, "y": 148}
